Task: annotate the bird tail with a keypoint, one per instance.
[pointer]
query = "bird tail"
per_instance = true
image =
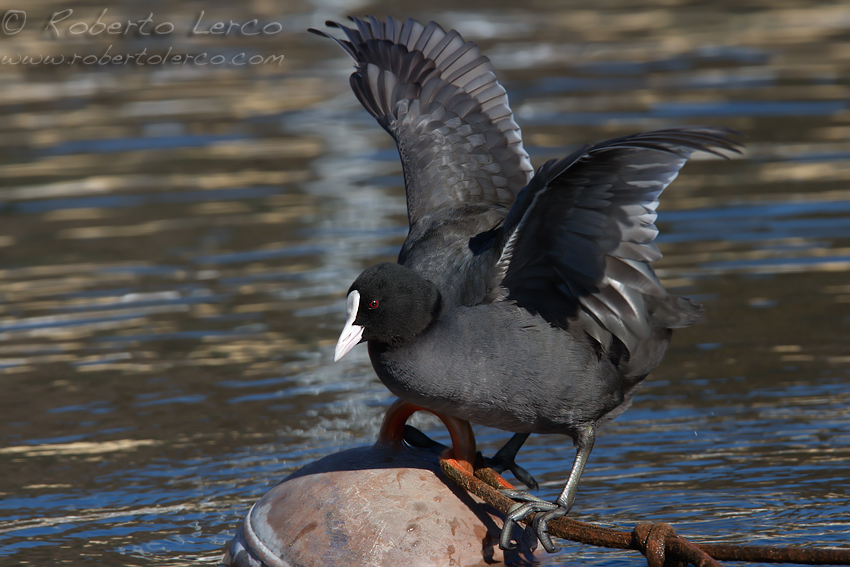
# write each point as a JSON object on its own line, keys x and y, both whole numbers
{"x": 673, "y": 311}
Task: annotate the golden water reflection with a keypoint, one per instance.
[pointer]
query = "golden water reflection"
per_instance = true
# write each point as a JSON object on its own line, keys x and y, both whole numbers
{"x": 176, "y": 243}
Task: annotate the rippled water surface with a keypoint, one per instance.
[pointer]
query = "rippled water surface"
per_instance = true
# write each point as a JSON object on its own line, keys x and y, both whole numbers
{"x": 176, "y": 242}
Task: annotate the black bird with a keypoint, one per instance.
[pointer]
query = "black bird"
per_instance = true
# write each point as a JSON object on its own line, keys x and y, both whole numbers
{"x": 523, "y": 301}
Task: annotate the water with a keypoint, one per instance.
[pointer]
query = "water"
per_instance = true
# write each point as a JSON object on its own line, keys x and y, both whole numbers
{"x": 176, "y": 242}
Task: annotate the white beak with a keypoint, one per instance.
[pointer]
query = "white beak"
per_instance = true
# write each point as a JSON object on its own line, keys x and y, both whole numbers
{"x": 351, "y": 333}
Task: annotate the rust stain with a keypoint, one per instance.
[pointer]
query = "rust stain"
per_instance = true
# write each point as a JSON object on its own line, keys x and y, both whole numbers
{"x": 304, "y": 531}
{"x": 451, "y": 551}
{"x": 454, "y": 525}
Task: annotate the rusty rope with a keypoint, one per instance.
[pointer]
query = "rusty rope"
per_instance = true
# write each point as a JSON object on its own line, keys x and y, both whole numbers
{"x": 658, "y": 542}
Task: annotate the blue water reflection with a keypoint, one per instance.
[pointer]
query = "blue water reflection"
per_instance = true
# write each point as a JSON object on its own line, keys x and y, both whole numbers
{"x": 176, "y": 245}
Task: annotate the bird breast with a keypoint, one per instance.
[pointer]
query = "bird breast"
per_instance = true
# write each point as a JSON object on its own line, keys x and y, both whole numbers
{"x": 499, "y": 365}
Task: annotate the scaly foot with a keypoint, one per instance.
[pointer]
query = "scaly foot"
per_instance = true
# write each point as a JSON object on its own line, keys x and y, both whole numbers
{"x": 501, "y": 463}
{"x": 416, "y": 438}
{"x": 529, "y": 504}
{"x": 504, "y": 460}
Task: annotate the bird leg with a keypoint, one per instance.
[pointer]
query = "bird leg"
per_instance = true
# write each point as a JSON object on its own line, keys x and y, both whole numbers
{"x": 504, "y": 460}
{"x": 548, "y": 511}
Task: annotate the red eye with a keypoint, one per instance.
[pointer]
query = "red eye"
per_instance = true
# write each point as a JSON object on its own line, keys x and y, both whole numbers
{"x": 373, "y": 304}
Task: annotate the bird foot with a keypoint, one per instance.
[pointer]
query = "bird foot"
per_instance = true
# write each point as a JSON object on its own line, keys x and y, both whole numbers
{"x": 529, "y": 504}
{"x": 501, "y": 463}
{"x": 416, "y": 438}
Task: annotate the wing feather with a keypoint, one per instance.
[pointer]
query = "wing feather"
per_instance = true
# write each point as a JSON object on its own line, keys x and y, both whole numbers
{"x": 438, "y": 96}
{"x": 579, "y": 241}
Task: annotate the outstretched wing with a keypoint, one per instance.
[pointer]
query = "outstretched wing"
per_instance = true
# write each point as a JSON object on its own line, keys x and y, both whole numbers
{"x": 579, "y": 240}
{"x": 438, "y": 97}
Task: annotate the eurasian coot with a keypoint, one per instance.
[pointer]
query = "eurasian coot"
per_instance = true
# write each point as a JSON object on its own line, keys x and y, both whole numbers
{"x": 521, "y": 300}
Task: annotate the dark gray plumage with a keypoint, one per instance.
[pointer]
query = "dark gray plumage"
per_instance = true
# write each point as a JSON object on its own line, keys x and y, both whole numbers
{"x": 460, "y": 149}
{"x": 527, "y": 304}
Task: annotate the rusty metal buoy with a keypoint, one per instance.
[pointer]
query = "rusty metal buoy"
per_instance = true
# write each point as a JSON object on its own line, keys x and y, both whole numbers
{"x": 388, "y": 504}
